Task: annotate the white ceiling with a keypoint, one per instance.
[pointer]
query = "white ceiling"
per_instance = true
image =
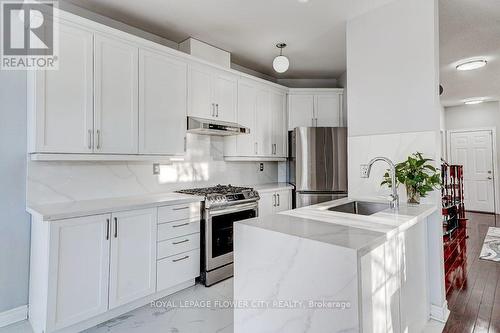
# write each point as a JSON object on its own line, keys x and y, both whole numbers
{"x": 249, "y": 29}
{"x": 468, "y": 29}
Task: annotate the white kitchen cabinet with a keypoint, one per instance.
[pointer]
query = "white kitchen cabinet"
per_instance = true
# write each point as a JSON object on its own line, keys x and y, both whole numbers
{"x": 133, "y": 256}
{"x": 315, "y": 108}
{"x": 212, "y": 94}
{"x": 78, "y": 270}
{"x": 264, "y": 123}
{"x": 116, "y": 96}
{"x": 272, "y": 202}
{"x": 162, "y": 104}
{"x": 61, "y": 101}
{"x": 279, "y": 130}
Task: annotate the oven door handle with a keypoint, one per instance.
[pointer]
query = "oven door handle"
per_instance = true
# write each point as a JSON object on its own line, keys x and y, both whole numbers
{"x": 232, "y": 209}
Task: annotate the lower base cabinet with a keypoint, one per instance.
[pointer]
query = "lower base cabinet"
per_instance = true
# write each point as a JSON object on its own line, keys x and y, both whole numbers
{"x": 87, "y": 270}
{"x": 275, "y": 202}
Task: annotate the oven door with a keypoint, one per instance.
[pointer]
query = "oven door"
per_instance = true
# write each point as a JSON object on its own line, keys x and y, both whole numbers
{"x": 219, "y": 232}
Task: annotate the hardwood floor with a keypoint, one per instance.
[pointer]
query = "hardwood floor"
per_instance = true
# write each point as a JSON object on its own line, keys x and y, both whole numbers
{"x": 474, "y": 302}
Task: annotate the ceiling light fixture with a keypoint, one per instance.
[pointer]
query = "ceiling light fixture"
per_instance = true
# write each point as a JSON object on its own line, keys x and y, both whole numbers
{"x": 471, "y": 65}
{"x": 281, "y": 63}
{"x": 473, "y": 101}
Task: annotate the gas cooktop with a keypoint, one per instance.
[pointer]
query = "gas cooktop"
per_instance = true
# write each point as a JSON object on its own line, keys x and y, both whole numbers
{"x": 224, "y": 195}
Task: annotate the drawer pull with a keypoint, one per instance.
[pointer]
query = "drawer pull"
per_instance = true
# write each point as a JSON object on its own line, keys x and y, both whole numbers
{"x": 180, "y": 242}
{"x": 183, "y": 258}
{"x": 180, "y": 225}
{"x": 180, "y": 208}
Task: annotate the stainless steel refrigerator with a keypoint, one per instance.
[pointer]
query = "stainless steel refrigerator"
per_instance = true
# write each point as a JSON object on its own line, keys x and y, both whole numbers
{"x": 317, "y": 164}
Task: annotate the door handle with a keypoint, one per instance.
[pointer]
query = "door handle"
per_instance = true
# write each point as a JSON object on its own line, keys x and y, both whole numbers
{"x": 180, "y": 242}
{"x": 274, "y": 200}
{"x": 116, "y": 227}
{"x": 90, "y": 138}
{"x": 180, "y": 225}
{"x": 217, "y": 110}
{"x": 278, "y": 196}
{"x": 256, "y": 148}
{"x": 213, "y": 109}
{"x": 490, "y": 178}
{"x": 98, "y": 145}
{"x": 107, "y": 229}
{"x": 183, "y": 258}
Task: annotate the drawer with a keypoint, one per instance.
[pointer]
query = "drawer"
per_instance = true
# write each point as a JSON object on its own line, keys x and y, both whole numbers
{"x": 177, "y": 229}
{"x": 188, "y": 211}
{"x": 178, "y": 245}
{"x": 177, "y": 269}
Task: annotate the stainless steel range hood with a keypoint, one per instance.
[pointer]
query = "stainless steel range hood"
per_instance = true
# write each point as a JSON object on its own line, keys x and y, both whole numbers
{"x": 214, "y": 127}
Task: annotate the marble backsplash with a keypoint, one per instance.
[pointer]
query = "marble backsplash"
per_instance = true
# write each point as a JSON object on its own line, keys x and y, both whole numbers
{"x": 204, "y": 165}
{"x": 397, "y": 147}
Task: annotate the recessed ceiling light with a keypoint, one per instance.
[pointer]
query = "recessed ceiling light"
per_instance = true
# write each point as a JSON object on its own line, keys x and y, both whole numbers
{"x": 303, "y": 1}
{"x": 471, "y": 64}
{"x": 473, "y": 101}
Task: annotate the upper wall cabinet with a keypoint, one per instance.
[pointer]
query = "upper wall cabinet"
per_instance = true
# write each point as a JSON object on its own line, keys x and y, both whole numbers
{"x": 315, "y": 108}
{"x": 61, "y": 99}
{"x": 162, "y": 103}
{"x": 116, "y": 94}
{"x": 212, "y": 94}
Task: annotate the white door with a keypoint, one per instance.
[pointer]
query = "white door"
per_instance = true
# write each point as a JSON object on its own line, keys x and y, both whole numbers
{"x": 264, "y": 124}
{"x": 78, "y": 270}
{"x": 283, "y": 201}
{"x": 225, "y": 97}
{"x": 200, "y": 92}
{"x": 64, "y": 110}
{"x": 300, "y": 111}
{"x": 247, "y": 99}
{"x": 327, "y": 110}
{"x": 473, "y": 150}
{"x": 162, "y": 104}
{"x": 279, "y": 131}
{"x": 116, "y": 96}
{"x": 266, "y": 203}
{"x": 133, "y": 256}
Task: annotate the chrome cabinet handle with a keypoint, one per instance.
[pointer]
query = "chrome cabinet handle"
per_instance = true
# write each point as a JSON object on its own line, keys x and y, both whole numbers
{"x": 180, "y": 242}
{"x": 274, "y": 200}
{"x": 116, "y": 227}
{"x": 278, "y": 197}
{"x": 217, "y": 108}
{"x": 490, "y": 178}
{"x": 183, "y": 258}
{"x": 316, "y": 121}
{"x": 180, "y": 208}
{"x": 256, "y": 148}
{"x": 107, "y": 229}
{"x": 90, "y": 138}
{"x": 185, "y": 144}
{"x": 180, "y": 225}
{"x": 98, "y": 145}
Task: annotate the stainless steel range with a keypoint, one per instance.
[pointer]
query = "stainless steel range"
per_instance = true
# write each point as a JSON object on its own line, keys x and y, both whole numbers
{"x": 224, "y": 205}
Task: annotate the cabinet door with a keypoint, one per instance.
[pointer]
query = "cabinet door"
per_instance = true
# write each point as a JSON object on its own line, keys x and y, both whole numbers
{"x": 327, "y": 110}
{"x": 283, "y": 201}
{"x": 63, "y": 104}
{"x": 264, "y": 124}
{"x": 133, "y": 256}
{"x": 200, "y": 94}
{"x": 225, "y": 97}
{"x": 300, "y": 111}
{"x": 266, "y": 203}
{"x": 78, "y": 270}
{"x": 116, "y": 95}
{"x": 247, "y": 99}
{"x": 162, "y": 104}
{"x": 279, "y": 123}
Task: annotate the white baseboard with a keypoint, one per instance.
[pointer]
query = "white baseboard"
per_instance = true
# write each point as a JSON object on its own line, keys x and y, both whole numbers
{"x": 13, "y": 316}
{"x": 440, "y": 313}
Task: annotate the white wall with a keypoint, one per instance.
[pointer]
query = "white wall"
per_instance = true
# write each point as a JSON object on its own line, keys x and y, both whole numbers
{"x": 393, "y": 106}
{"x": 392, "y": 79}
{"x": 14, "y": 221}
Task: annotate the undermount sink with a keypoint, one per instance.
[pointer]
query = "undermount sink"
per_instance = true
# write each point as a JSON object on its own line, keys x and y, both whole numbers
{"x": 360, "y": 207}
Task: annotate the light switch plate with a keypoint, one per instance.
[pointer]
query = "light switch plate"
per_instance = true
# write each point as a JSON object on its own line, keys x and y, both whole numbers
{"x": 156, "y": 168}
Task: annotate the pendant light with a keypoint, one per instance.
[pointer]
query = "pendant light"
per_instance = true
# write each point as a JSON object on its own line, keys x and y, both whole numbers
{"x": 281, "y": 63}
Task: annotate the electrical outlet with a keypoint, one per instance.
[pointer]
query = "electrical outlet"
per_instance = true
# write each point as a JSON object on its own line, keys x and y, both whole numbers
{"x": 261, "y": 166}
{"x": 156, "y": 168}
{"x": 363, "y": 171}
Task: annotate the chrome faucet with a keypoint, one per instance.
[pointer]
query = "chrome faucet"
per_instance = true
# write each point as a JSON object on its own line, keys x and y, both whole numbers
{"x": 365, "y": 173}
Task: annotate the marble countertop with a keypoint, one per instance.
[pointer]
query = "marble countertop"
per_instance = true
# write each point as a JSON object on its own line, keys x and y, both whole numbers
{"x": 270, "y": 187}
{"x": 357, "y": 232}
{"x": 64, "y": 210}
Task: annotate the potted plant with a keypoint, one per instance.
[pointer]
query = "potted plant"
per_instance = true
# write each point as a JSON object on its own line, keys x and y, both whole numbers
{"x": 418, "y": 175}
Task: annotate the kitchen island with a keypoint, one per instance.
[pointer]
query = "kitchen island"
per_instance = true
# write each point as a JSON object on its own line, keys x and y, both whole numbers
{"x": 318, "y": 270}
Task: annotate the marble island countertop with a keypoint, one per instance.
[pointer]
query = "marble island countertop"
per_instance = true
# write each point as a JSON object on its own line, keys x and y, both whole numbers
{"x": 64, "y": 210}
{"x": 357, "y": 232}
